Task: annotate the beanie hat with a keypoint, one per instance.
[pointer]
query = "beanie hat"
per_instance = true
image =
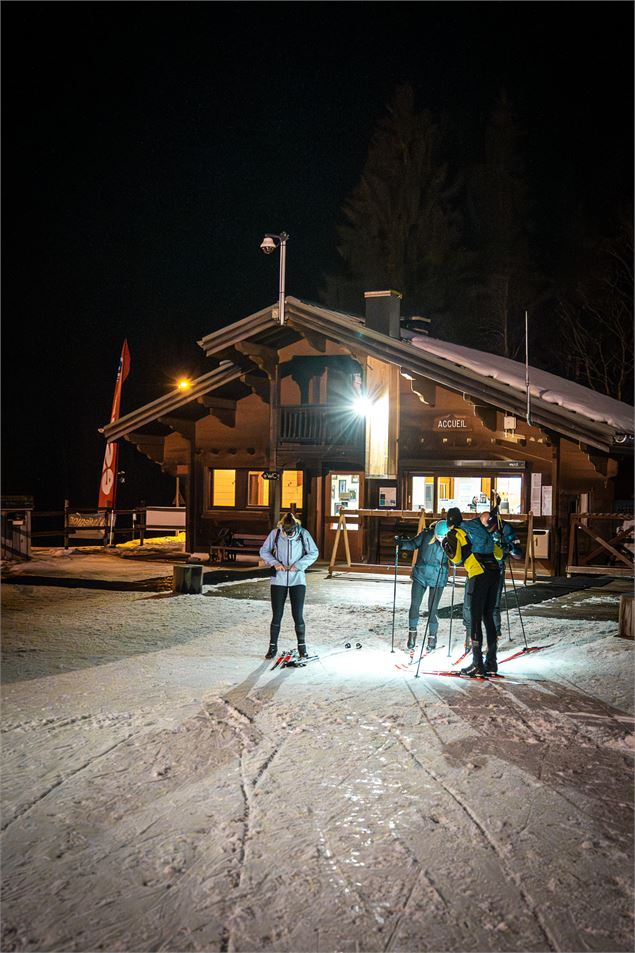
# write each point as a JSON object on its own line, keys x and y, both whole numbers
{"x": 455, "y": 517}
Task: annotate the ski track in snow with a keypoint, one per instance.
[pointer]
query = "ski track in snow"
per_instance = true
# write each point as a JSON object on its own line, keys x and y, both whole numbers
{"x": 165, "y": 790}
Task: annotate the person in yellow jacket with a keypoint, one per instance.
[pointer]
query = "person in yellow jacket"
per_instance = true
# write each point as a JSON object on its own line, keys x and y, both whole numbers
{"x": 472, "y": 545}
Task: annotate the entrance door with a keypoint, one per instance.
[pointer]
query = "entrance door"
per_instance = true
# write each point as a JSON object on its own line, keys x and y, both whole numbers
{"x": 343, "y": 490}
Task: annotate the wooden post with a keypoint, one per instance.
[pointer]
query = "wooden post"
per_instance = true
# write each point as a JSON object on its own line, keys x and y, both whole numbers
{"x": 66, "y": 508}
{"x": 555, "y": 502}
{"x": 573, "y": 526}
{"x": 626, "y": 625}
{"x": 529, "y": 552}
{"x": 143, "y": 509}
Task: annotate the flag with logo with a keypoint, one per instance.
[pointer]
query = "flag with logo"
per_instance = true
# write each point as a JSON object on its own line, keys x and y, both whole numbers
{"x": 108, "y": 484}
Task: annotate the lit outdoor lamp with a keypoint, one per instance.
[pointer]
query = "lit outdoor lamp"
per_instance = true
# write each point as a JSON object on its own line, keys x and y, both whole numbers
{"x": 184, "y": 384}
{"x": 269, "y": 245}
{"x": 362, "y": 405}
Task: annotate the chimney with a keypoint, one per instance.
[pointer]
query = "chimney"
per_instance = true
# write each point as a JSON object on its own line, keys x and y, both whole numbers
{"x": 382, "y": 312}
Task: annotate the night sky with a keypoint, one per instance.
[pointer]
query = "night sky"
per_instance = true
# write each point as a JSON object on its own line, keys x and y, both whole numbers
{"x": 148, "y": 147}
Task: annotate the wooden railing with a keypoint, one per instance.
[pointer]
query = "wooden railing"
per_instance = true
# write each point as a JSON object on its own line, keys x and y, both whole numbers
{"x": 418, "y": 520}
{"x": 612, "y": 554}
{"x": 319, "y": 426}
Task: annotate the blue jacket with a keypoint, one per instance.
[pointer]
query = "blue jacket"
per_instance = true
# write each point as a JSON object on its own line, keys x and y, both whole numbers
{"x": 480, "y": 538}
{"x": 430, "y": 559}
{"x": 298, "y": 550}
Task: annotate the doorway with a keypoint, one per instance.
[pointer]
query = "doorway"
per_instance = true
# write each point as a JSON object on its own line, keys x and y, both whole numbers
{"x": 343, "y": 490}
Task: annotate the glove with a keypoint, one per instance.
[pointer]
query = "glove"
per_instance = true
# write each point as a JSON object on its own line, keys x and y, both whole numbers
{"x": 400, "y": 539}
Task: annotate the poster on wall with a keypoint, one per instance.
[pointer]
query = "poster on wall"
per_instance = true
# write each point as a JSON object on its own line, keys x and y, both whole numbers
{"x": 388, "y": 496}
{"x": 547, "y": 500}
{"x": 536, "y": 497}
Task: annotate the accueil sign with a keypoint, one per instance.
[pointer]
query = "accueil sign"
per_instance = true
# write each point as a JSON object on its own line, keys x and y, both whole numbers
{"x": 452, "y": 422}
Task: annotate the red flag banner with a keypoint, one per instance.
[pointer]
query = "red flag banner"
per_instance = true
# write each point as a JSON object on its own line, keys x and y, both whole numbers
{"x": 108, "y": 484}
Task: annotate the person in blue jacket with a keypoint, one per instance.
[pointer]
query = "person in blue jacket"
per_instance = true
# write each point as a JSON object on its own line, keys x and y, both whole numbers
{"x": 289, "y": 550}
{"x": 471, "y": 544}
{"x": 430, "y": 572}
{"x": 506, "y": 537}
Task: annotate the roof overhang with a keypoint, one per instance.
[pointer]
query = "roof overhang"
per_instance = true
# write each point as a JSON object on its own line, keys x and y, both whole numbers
{"x": 350, "y": 331}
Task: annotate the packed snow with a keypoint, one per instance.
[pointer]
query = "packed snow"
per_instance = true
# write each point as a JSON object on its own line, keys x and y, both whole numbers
{"x": 543, "y": 385}
{"x": 164, "y": 789}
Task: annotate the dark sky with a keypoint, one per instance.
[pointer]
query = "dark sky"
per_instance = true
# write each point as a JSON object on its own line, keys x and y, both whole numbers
{"x": 147, "y": 147}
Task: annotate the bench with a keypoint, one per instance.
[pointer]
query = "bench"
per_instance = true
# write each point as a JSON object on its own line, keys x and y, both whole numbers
{"x": 236, "y": 544}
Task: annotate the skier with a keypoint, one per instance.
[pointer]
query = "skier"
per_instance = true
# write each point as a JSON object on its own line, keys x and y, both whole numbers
{"x": 470, "y": 543}
{"x": 289, "y": 550}
{"x": 506, "y": 539}
{"x": 430, "y": 572}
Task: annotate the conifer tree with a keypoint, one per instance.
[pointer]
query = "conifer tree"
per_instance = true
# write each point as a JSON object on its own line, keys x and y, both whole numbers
{"x": 399, "y": 228}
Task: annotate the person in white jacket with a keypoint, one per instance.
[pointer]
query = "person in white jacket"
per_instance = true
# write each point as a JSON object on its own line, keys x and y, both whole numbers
{"x": 288, "y": 550}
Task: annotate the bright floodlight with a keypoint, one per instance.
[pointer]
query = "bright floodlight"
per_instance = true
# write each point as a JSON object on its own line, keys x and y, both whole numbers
{"x": 184, "y": 384}
{"x": 267, "y": 245}
{"x": 362, "y": 406}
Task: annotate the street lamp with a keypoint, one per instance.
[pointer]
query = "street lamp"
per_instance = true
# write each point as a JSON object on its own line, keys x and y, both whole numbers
{"x": 269, "y": 245}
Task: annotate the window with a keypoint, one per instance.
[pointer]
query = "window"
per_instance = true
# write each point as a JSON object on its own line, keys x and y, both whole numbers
{"x": 470, "y": 494}
{"x": 291, "y": 489}
{"x": 257, "y": 489}
{"x": 510, "y": 491}
{"x": 423, "y": 493}
{"x": 223, "y": 488}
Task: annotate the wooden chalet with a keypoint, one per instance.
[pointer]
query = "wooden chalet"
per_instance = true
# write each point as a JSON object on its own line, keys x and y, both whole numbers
{"x": 357, "y": 413}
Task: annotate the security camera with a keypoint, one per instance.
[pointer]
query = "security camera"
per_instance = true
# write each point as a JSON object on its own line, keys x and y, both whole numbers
{"x": 268, "y": 245}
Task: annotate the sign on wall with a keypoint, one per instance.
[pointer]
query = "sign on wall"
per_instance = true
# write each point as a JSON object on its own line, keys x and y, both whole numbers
{"x": 452, "y": 422}
{"x": 536, "y": 498}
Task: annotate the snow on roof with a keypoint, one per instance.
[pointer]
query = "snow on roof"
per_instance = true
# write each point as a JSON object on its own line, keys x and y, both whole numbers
{"x": 548, "y": 387}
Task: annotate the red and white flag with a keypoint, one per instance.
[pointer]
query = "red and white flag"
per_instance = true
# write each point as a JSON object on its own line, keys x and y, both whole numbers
{"x": 108, "y": 485}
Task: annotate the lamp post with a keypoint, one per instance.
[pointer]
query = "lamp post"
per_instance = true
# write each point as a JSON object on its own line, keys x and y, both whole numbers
{"x": 269, "y": 245}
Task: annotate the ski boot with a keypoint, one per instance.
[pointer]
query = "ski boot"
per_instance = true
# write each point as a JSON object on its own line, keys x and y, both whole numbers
{"x": 432, "y": 643}
{"x": 412, "y": 638}
{"x": 491, "y": 665}
{"x": 476, "y": 667}
{"x": 302, "y": 650}
{"x": 272, "y": 650}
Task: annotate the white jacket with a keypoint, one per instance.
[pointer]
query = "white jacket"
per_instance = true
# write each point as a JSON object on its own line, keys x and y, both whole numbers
{"x": 289, "y": 551}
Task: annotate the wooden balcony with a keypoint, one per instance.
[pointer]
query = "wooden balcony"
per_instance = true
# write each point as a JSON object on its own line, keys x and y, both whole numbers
{"x": 320, "y": 426}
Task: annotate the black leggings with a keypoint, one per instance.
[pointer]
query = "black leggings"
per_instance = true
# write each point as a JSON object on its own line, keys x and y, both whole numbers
{"x": 484, "y": 588}
{"x": 278, "y": 599}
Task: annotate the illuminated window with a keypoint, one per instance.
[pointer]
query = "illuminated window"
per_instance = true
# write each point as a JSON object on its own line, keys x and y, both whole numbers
{"x": 423, "y": 493}
{"x": 258, "y": 489}
{"x": 470, "y": 494}
{"x": 510, "y": 491}
{"x": 291, "y": 489}
{"x": 223, "y": 488}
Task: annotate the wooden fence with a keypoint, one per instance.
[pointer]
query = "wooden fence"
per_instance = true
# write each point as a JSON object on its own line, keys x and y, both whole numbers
{"x": 599, "y": 546}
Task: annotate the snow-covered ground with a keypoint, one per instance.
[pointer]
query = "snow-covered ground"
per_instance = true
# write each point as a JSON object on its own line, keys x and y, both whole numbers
{"x": 163, "y": 789}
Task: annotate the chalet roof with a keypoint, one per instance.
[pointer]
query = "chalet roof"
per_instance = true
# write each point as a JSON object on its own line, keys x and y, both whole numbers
{"x": 557, "y": 404}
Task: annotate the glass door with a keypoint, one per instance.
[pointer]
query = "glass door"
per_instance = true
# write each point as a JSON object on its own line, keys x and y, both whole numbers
{"x": 343, "y": 491}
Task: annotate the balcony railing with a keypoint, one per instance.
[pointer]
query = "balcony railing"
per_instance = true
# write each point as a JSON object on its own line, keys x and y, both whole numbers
{"x": 320, "y": 426}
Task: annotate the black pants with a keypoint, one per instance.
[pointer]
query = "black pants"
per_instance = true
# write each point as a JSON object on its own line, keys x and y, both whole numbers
{"x": 278, "y": 599}
{"x": 484, "y": 590}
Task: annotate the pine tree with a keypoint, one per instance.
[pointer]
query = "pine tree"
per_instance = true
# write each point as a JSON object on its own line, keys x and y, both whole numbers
{"x": 400, "y": 230}
{"x": 504, "y": 281}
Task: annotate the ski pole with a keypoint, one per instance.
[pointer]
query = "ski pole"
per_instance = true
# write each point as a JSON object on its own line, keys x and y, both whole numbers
{"x": 425, "y": 631}
{"x": 518, "y": 604}
{"x": 451, "y": 611}
{"x": 509, "y": 628}
{"x": 394, "y": 597}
